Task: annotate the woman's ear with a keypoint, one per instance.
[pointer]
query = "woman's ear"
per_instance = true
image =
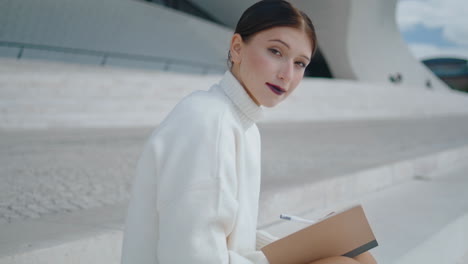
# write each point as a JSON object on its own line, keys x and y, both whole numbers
{"x": 236, "y": 48}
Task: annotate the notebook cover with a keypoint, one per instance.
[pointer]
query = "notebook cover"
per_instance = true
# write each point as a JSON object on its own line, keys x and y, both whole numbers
{"x": 346, "y": 233}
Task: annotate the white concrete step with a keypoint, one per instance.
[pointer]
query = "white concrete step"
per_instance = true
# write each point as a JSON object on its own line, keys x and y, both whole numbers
{"x": 74, "y": 120}
{"x": 104, "y": 83}
{"x": 46, "y": 92}
{"x": 91, "y": 106}
{"x": 90, "y": 236}
{"x": 421, "y": 221}
{"x": 324, "y": 193}
{"x": 424, "y": 220}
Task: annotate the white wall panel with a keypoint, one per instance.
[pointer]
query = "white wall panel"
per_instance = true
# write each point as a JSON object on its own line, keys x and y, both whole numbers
{"x": 376, "y": 48}
{"x": 122, "y": 26}
{"x": 9, "y": 52}
{"x": 60, "y": 56}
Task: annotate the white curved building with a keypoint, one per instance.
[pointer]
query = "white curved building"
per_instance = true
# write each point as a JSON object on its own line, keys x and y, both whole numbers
{"x": 358, "y": 39}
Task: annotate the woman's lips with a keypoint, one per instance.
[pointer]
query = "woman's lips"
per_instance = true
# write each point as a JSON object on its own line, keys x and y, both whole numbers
{"x": 276, "y": 89}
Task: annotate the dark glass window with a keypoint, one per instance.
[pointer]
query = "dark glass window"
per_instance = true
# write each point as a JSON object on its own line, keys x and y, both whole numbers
{"x": 318, "y": 67}
{"x": 186, "y": 7}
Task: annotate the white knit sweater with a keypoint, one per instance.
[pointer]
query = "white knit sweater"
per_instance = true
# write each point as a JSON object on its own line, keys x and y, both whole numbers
{"x": 196, "y": 192}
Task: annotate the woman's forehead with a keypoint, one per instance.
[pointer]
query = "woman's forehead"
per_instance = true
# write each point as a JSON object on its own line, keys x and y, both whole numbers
{"x": 295, "y": 39}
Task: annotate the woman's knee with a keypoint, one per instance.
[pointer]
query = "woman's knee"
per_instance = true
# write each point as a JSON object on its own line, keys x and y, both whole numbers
{"x": 336, "y": 260}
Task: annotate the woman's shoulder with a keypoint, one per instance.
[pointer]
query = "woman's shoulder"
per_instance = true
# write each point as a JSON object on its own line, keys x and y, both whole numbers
{"x": 204, "y": 101}
{"x": 200, "y": 109}
{"x": 207, "y": 105}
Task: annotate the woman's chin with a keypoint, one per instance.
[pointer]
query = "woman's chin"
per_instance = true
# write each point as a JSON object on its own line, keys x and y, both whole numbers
{"x": 271, "y": 104}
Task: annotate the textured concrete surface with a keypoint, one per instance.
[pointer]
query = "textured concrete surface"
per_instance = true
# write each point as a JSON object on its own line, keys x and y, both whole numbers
{"x": 420, "y": 221}
{"x": 86, "y": 236}
{"x": 52, "y": 171}
{"x": 35, "y": 94}
{"x": 463, "y": 259}
{"x": 430, "y": 227}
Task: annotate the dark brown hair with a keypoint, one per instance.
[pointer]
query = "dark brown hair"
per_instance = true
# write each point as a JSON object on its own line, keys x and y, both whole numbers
{"x": 268, "y": 14}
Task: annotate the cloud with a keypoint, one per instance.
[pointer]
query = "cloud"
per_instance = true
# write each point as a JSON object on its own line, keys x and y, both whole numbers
{"x": 449, "y": 15}
{"x": 426, "y": 51}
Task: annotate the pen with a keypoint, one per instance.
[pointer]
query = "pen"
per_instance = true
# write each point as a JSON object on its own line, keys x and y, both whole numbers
{"x": 296, "y": 219}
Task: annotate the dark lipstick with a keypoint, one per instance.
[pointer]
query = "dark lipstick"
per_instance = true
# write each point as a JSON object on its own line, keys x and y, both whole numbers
{"x": 276, "y": 89}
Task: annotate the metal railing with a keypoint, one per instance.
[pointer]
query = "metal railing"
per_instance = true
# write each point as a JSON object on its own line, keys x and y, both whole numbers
{"x": 105, "y": 55}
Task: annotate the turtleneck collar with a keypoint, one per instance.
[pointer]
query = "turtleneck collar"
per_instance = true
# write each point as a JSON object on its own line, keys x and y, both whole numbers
{"x": 249, "y": 111}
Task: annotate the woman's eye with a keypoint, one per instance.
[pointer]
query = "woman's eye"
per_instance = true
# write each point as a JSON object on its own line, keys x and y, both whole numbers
{"x": 275, "y": 51}
{"x": 301, "y": 64}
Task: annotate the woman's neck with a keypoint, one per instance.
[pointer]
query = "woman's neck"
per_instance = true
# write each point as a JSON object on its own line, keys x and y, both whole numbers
{"x": 235, "y": 72}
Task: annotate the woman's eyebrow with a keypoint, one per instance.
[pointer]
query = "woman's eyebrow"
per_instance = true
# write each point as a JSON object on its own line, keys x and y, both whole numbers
{"x": 286, "y": 44}
{"x": 279, "y": 40}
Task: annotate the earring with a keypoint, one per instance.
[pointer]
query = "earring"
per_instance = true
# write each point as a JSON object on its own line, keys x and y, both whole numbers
{"x": 229, "y": 60}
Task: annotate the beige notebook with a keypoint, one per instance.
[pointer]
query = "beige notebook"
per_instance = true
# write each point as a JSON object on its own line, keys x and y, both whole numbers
{"x": 346, "y": 233}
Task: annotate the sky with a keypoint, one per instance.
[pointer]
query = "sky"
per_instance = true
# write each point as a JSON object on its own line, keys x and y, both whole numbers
{"x": 434, "y": 28}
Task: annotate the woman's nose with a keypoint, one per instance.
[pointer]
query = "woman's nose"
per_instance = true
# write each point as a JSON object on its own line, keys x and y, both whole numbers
{"x": 285, "y": 72}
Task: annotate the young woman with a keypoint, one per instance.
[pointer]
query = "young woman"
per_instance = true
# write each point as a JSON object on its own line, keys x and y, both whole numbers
{"x": 195, "y": 195}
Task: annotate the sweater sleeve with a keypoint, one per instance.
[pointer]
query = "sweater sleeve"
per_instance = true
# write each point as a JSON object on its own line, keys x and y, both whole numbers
{"x": 197, "y": 195}
{"x": 195, "y": 229}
